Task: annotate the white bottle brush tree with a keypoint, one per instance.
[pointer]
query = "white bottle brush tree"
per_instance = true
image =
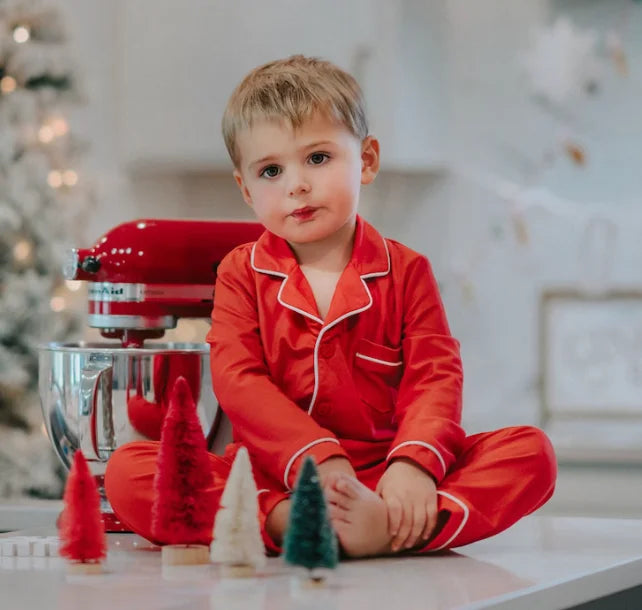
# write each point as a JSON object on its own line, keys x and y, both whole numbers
{"x": 238, "y": 544}
{"x": 43, "y": 199}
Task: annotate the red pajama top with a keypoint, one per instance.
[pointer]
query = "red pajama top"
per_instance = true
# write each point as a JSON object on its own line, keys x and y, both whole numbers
{"x": 380, "y": 378}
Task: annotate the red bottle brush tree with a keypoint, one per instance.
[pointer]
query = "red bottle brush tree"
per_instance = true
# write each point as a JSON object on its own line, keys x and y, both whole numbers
{"x": 182, "y": 510}
{"x": 82, "y": 533}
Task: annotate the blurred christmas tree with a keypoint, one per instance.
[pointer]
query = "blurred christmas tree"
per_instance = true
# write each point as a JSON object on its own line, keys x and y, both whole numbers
{"x": 41, "y": 199}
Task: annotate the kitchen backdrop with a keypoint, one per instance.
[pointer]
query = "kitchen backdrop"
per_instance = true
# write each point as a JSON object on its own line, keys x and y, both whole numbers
{"x": 508, "y": 157}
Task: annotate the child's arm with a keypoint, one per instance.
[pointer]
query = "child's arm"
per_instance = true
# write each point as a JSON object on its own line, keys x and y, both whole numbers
{"x": 429, "y": 400}
{"x": 428, "y": 409}
{"x": 335, "y": 464}
{"x": 276, "y": 431}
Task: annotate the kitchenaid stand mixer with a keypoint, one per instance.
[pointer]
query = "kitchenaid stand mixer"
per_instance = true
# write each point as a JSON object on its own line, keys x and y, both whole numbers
{"x": 142, "y": 277}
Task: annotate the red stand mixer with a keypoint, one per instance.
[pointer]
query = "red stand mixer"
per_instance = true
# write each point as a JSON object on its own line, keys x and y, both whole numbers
{"x": 143, "y": 276}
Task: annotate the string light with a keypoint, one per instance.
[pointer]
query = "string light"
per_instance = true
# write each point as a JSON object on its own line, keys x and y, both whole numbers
{"x": 59, "y": 125}
{"x": 54, "y": 179}
{"x": 8, "y": 84}
{"x": 22, "y": 250}
{"x": 70, "y": 177}
{"x": 46, "y": 134}
{"x": 53, "y": 128}
{"x": 21, "y": 34}
{"x": 57, "y": 304}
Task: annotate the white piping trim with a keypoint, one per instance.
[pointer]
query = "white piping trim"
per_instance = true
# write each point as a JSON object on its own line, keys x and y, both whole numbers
{"x": 268, "y": 271}
{"x": 288, "y": 306}
{"x": 378, "y": 361}
{"x": 335, "y": 322}
{"x": 463, "y": 521}
{"x": 278, "y": 297}
{"x": 422, "y": 444}
{"x": 318, "y": 342}
{"x": 300, "y": 451}
{"x": 380, "y": 273}
{"x": 324, "y": 329}
{"x": 261, "y": 491}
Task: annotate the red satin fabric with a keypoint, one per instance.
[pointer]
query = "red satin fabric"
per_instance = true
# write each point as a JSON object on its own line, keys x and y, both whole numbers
{"x": 381, "y": 374}
{"x": 499, "y": 477}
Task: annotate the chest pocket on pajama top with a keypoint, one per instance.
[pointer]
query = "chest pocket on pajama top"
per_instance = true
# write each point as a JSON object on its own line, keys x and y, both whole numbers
{"x": 378, "y": 371}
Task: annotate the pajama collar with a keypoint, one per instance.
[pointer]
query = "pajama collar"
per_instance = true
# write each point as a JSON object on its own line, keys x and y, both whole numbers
{"x": 273, "y": 256}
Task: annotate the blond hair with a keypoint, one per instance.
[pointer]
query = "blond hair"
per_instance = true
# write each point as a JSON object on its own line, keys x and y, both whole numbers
{"x": 294, "y": 89}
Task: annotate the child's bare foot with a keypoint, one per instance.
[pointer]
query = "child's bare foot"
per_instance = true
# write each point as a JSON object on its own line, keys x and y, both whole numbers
{"x": 277, "y": 521}
{"x": 358, "y": 515}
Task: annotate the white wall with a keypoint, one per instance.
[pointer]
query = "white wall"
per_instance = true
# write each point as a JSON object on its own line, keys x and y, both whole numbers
{"x": 495, "y": 127}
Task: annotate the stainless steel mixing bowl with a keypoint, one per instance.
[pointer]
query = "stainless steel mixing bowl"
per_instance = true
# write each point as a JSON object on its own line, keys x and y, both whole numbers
{"x": 98, "y": 396}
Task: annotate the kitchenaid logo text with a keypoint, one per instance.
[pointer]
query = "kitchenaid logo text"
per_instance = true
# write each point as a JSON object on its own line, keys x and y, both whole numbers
{"x": 161, "y": 293}
{"x": 106, "y": 291}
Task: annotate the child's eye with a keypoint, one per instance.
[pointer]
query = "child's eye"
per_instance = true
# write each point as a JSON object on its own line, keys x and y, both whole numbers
{"x": 318, "y": 158}
{"x": 271, "y": 171}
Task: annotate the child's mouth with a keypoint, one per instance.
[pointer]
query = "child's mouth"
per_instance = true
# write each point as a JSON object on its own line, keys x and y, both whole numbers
{"x": 304, "y": 213}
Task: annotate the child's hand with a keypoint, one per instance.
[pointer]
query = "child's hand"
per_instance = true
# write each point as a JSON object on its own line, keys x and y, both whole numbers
{"x": 335, "y": 464}
{"x": 410, "y": 494}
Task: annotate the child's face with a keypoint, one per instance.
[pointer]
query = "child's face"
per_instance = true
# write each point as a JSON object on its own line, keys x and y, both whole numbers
{"x": 304, "y": 184}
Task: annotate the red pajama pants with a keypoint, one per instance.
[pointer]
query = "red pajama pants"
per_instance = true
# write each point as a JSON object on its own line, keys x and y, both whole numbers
{"x": 499, "y": 477}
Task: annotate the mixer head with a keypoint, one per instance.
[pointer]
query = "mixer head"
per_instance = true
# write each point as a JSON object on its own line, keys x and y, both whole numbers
{"x": 145, "y": 274}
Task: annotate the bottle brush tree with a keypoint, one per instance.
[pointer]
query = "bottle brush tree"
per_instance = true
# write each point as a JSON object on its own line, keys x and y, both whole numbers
{"x": 82, "y": 533}
{"x": 310, "y": 540}
{"x": 238, "y": 544}
{"x": 182, "y": 510}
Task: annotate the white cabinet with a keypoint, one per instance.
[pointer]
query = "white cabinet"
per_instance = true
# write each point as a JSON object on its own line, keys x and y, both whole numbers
{"x": 179, "y": 61}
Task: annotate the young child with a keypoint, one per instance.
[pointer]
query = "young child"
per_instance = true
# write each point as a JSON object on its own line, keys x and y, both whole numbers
{"x": 330, "y": 340}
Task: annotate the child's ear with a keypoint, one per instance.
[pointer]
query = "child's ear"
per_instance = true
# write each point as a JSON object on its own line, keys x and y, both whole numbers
{"x": 241, "y": 184}
{"x": 369, "y": 159}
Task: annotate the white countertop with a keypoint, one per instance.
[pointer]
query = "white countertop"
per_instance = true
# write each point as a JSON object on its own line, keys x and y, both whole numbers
{"x": 541, "y": 562}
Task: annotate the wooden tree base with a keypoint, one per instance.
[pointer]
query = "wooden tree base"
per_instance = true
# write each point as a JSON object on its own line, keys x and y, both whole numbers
{"x": 185, "y": 554}
{"x": 237, "y": 571}
{"x": 311, "y": 582}
{"x": 78, "y": 567}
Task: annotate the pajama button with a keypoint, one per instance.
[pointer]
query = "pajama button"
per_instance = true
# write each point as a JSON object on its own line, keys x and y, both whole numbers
{"x": 326, "y": 350}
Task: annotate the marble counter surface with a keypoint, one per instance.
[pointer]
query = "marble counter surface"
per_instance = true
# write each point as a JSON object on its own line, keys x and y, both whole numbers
{"x": 541, "y": 562}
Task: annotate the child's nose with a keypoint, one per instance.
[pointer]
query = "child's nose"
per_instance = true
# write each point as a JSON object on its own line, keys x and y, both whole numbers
{"x": 298, "y": 185}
